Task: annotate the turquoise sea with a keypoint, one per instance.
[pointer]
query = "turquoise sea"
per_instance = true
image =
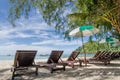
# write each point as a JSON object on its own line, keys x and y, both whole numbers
{"x": 11, "y": 57}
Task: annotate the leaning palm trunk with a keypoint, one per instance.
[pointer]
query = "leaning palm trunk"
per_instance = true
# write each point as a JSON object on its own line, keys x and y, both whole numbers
{"x": 114, "y": 18}
{"x": 115, "y": 22}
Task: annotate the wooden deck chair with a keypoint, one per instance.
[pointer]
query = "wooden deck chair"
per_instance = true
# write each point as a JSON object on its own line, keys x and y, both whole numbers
{"x": 114, "y": 55}
{"x": 72, "y": 59}
{"x": 97, "y": 55}
{"x": 101, "y": 57}
{"x": 52, "y": 62}
{"x": 117, "y": 55}
{"x": 111, "y": 56}
{"x": 23, "y": 60}
{"x": 105, "y": 57}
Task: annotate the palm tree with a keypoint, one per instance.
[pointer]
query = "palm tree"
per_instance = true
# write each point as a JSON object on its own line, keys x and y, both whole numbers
{"x": 103, "y": 14}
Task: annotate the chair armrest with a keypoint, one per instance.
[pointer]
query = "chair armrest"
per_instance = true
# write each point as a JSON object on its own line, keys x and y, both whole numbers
{"x": 61, "y": 60}
{"x": 72, "y": 58}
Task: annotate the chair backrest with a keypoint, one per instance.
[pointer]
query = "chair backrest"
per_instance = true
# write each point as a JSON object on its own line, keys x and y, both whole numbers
{"x": 73, "y": 56}
{"x": 96, "y": 54}
{"x": 54, "y": 56}
{"x": 105, "y": 55}
{"x": 100, "y": 54}
{"x": 24, "y": 58}
{"x": 117, "y": 55}
{"x": 114, "y": 55}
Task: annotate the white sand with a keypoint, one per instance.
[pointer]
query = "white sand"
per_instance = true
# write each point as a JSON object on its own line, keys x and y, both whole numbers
{"x": 89, "y": 72}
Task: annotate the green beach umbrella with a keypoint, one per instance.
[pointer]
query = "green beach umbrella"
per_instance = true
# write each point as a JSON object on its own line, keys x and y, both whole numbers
{"x": 111, "y": 41}
{"x": 82, "y": 31}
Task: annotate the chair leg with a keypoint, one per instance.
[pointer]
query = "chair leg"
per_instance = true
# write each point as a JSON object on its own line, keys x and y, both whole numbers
{"x": 80, "y": 63}
{"x": 11, "y": 69}
{"x": 13, "y": 74}
{"x": 109, "y": 62}
{"x": 64, "y": 67}
{"x": 72, "y": 65}
{"x": 105, "y": 62}
{"x": 51, "y": 71}
{"x": 36, "y": 72}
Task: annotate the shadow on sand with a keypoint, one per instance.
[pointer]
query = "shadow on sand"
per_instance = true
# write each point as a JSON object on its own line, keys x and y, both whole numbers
{"x": 78, "y": 73}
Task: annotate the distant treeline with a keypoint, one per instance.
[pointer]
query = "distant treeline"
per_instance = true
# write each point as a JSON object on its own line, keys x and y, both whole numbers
{"x": 93, "y": 46}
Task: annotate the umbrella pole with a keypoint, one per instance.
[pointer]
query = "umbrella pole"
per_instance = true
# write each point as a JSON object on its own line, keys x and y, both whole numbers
{"x": 108, "y": 46}
{"x": 84, "y": 51}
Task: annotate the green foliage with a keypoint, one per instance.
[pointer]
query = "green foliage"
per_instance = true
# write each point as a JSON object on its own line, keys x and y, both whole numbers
{"x": 69, "y": 14}
{"x": 92, "y": 47}
{"x": 19, "y": 8}
{"x": 51, "y": 10}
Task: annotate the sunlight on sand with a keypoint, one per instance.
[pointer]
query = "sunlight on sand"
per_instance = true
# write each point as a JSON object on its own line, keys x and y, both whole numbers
{"x": 89, "y": 72}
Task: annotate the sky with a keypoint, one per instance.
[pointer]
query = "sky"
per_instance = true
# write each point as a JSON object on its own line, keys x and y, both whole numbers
{"x": 31, "y": 34}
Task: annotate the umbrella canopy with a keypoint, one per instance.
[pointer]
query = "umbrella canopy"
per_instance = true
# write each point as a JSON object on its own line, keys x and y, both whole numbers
{"x": 81, "y": 31}
{"x": 109, "y": 40}
{"x": 112, "y": 40}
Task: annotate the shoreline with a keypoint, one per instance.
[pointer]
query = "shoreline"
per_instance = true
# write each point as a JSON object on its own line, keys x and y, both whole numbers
{"x": 5, "y": 57}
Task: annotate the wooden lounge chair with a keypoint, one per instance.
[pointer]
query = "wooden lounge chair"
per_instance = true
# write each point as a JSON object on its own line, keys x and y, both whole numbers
{"x": 110, "y": 56}
{"x": 115, "y": 55}
{"x": 98, "y": 53}
{"x": 23, "y": 60}
{"x": 52, "y": 62}
{"x": 72, "y": 59}
{"x": 101, "y": 57}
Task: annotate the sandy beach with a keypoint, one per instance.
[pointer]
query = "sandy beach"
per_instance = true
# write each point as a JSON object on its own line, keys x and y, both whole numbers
{"x": 89, "y": 72}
